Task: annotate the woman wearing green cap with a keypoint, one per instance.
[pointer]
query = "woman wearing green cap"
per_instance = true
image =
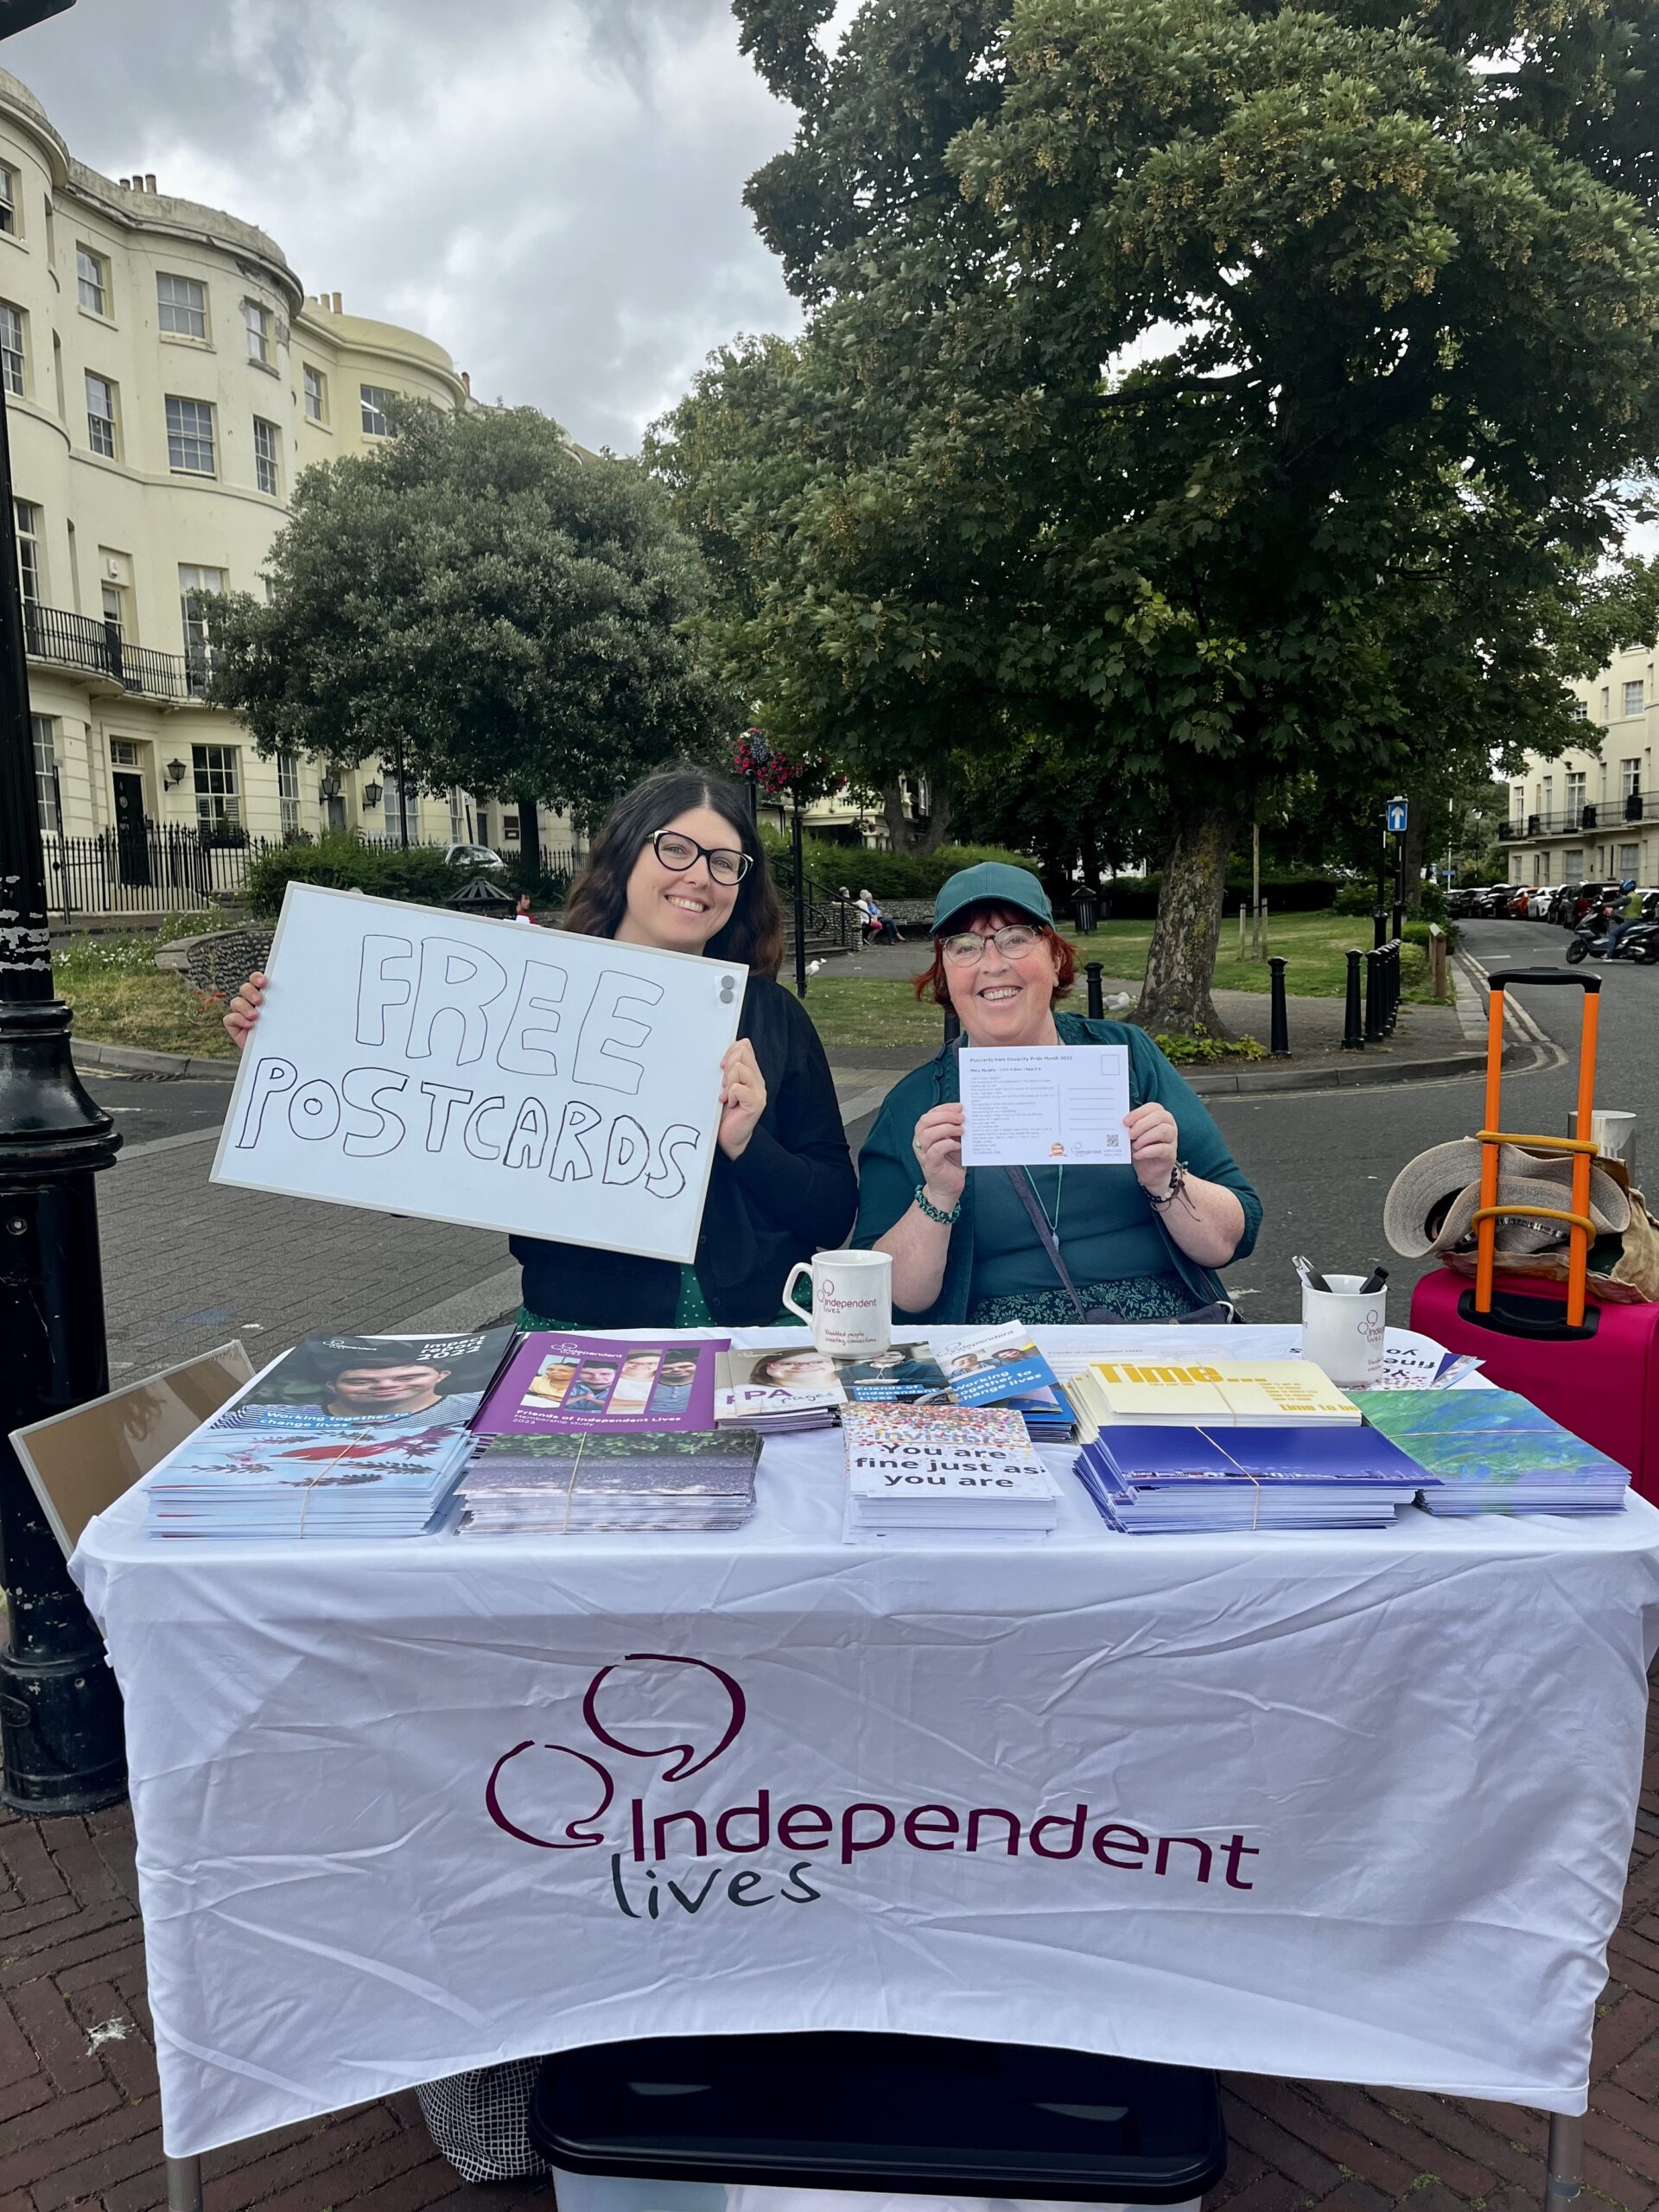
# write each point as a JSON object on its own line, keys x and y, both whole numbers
{"x": 1034, "y": 1244}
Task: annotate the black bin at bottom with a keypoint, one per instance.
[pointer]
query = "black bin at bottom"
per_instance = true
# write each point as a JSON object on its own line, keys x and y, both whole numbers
{"x": 924, "y": 2116}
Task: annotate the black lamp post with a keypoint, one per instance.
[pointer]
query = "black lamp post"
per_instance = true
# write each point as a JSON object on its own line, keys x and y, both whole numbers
{"x": 59, "y": 1711}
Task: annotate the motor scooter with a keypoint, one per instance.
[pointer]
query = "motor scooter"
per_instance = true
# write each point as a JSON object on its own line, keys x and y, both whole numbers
{"x": 1639, "y": 944}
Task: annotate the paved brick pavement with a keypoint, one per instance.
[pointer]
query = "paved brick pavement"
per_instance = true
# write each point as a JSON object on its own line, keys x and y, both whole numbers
{"x": 79, "y": 2116}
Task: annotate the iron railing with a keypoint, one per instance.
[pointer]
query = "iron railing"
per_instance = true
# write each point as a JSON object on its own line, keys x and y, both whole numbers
{"x": 77, "y": 641}
{"x": 1602, "y": 815}
{"x": 162, "y": 868}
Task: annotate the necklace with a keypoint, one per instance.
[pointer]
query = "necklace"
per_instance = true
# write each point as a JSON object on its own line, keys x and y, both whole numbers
{"x": 1052, "y": 1219}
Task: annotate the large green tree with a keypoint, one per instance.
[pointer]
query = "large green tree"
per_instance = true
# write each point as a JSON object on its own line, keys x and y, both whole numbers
{"x": 1230, "y": 394}
{"x": 504, "y": 609}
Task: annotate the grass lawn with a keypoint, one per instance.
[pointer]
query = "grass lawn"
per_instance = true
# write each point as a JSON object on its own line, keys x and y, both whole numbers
{"x": 121, "y": 997}
{"x": 854, "y": 1010}
{"x": 1315, "y": 946}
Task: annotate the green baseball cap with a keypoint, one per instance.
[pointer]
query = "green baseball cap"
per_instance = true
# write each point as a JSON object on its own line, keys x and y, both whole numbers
{"x": 991, "y": 883}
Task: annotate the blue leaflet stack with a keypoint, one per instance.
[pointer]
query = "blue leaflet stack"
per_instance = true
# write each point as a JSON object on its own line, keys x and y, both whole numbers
{"x": 1155, "y": 1479}
{"x": 1494, "y": 1451}
{"x": 372, "y": 1482}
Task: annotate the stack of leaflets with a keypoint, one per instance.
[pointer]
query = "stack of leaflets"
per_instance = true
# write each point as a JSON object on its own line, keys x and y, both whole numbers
{"x": 343, "y": 1436}
{"x": 1003, "y": 1367}
{"x": 1151, "y": 1479}
{"x": 774, "y": 1387}
{"x": 947, "y": 1470}
{"x": 591, "y": 1386}
{"x": 1494, "y": 1451}
{"x": 1208, "y": 1392}
{"x": 557, "y": 1486}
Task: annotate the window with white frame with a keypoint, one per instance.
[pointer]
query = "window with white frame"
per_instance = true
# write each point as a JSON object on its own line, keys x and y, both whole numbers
{"x": 1517, "y": 805}
{"x": 456, "y": 826}
{"x": 316, "y": 395}
{"x": 7, "y": 200}
{"x": 180, "y": 306}
{"x": 1572, "y": 864}
{"x": 114, "y": 612}
{"x": 196, "y": 587}
{"x": 1545, "y": 794}
{"x": 1606, "y": 703}
{"x": 124, "y": 754}
{"x": 91, "y": 280}
{"x": 219, "y": 786}
{"x": 1629, "y": 777}
{"x": 1543, "y": 868}
{"x": 1581, "y": 710}
{"x": 1629, "y": 859}
{"x": 100, "y": 416}
{"x": 11, "y": 349}
{"x": 43, "y": 729}
{"x": 287, "y": 793}
{"x": 190, "y": 437}
{"x": 1574, "y": 794}
{"x": 267, "y": 457}
{"x": 401, "y": 805}
{"x": 375, "y": 399}
{"x": 28, "y": 549}
{"x": 1633, "y": 697}
{"x": 257, "y": 320}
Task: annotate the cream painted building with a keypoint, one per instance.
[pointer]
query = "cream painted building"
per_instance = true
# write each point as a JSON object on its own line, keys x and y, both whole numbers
{"x": 1594, "y": 815}
{"x": 166, "y": 380}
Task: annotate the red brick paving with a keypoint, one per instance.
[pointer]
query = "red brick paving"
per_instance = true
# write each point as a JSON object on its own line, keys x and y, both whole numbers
{"x": 79, "y": 2123}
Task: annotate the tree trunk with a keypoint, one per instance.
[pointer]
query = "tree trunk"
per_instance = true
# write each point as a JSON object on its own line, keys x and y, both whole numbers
{"x": 938, "y": 814}
{"x": 530, "y": 841}
{"x": 1181, "y": 959}
{"x": 898, "y": 821}
{"x": 1416, "y": 844}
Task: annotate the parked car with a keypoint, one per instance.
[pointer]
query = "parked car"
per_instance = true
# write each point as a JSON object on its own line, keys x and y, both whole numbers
{"x": 1519, "y": 901}
{"x": 1560, "y": 905}
{"x": 1492, "y": 898}
{"x": 1539, "y": 903}
{"x": 1458, "y": 901}
{"x": 473, "y": 856}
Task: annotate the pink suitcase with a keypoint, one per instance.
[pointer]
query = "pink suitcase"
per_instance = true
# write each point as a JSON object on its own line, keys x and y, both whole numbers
{"x": 1594, "y": 1368}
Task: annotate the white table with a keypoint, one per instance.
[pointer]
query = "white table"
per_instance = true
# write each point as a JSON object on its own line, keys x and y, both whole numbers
{"x": 1357, "y": 1807}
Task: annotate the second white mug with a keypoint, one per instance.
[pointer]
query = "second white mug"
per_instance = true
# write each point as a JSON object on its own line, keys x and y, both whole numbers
{"x": 852, "y": 1301}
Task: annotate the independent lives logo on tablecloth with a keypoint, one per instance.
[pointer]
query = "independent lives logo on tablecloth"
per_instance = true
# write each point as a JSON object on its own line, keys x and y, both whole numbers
{"x": 656, "y": 1717}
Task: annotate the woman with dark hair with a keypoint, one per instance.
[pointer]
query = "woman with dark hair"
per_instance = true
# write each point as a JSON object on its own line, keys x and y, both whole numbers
{"x": 676, "y": 865}
{"x": 986, "y": 1244}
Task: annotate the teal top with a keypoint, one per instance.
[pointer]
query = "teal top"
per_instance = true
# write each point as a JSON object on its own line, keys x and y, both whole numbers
{"x": 1108, "y": 1229}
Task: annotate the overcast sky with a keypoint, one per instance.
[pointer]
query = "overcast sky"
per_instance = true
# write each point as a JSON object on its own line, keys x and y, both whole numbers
{"x": 550, "y": 189}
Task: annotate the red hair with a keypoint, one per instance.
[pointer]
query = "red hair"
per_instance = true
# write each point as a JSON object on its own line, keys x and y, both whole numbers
{"x": 931, "y": 980}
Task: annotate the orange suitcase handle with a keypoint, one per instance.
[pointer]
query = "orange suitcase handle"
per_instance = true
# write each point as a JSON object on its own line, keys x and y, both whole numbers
{"x": 1581, "y": 1228}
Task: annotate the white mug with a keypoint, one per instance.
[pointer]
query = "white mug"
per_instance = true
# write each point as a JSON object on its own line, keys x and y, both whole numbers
{"x": 1343, "y": 1330}
{"x": 852, "y": 1301}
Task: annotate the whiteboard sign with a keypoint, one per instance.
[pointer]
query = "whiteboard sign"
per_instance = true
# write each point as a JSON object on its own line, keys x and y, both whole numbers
{"x": 423, "y": 1062}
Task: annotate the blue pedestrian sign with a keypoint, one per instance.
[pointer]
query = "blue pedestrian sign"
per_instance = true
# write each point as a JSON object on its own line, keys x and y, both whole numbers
{"x": 1396, "y": 817}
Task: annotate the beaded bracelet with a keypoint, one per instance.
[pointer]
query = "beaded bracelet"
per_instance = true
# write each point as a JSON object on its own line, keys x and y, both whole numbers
{"x": 944, "y": 1220}
{"x": 1176, "y": 1178}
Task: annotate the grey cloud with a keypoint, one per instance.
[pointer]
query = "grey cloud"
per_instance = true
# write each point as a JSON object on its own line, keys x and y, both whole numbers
{"x": 551, "y": 188}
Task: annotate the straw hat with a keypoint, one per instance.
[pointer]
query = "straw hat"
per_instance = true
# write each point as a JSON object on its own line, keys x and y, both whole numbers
{"x": 1433, "y": 1199}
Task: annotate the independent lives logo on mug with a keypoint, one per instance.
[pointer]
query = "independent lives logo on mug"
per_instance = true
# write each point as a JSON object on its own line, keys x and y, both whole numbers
{"x": 852, "y": 1300}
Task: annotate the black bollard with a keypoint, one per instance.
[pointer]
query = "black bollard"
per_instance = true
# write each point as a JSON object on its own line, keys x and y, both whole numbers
{"x": 1379, "y": 928}
{"x": 1096, "y": 992}
{"x": 1353, "y": 1036}
{"x": 952, "y": 1026}
{"x": 1391, "y": 983}
{"x": 1374, "y": 997}
{"x": 1279, "y": 1034}
{"x": 1399, "y": 928}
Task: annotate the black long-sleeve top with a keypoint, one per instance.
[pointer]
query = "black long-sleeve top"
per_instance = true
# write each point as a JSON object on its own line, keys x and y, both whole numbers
{"x": 792, "y": 1193}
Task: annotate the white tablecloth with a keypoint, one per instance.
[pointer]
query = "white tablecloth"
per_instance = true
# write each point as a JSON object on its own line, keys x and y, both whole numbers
{"x": 1353, "y": 1807}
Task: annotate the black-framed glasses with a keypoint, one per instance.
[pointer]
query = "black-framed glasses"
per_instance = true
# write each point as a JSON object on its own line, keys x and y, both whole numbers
{"x": 677, "y": 852}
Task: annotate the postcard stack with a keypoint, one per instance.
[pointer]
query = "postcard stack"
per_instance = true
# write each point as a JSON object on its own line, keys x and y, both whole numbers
{"x": 343, "y": 1436}
{"x": 1150, "y": 1480}
{"x": 1494, "y": 1451}
{"x": 558, "y": 1485}
{"x": 591, "y": 1433}
{"x": 944, "y": 1470}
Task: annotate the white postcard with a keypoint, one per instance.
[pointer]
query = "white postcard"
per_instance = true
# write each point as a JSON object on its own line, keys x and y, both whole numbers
{"x": 1044, "y": 1105}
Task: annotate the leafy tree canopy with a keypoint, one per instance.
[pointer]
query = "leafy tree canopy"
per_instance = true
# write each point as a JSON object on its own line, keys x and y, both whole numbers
{"x": 506, "y": 608}
{"x": 1225, "y": 394}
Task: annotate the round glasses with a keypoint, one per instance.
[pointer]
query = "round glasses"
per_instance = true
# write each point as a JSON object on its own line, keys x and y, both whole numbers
{"x": 968, "y": 947}
{"x": 677, "y": 853}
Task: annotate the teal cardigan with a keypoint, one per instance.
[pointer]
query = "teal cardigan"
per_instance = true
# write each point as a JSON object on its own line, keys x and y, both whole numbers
{"x": 887, "y": 1172}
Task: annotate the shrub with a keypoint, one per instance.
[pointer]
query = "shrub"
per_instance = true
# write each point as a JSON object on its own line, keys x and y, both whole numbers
{"x": 342, "y": 862}
{"x": 887, "y": 875}
{"x": 1135, "y": 898}
{"x": 1202, "y": 1046}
